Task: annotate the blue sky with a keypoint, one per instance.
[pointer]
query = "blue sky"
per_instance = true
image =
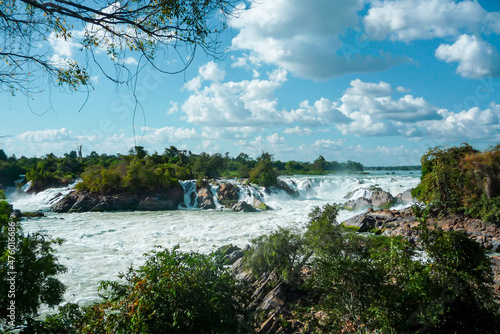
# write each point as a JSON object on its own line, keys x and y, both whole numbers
{"x": 372, "y": 81}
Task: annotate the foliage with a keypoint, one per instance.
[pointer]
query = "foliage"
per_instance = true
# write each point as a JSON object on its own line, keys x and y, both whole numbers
{"x": 264, "y": 173}
{"x": 173, "y": 292}
{"x": 138, "y": 29}
{"x": 381, "y": 284}
{"x": 281, "y": 252}
{"x": 463, "y": 180}
{"x": 28, "y": 268}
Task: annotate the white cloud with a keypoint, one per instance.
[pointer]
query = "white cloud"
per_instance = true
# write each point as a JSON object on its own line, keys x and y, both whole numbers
{"x": 359, "y": 87}
{"x": 467, "y": 125}
{"x": 275, "y": 139}
{"x": 328, "y": 143}
{"x": 170, "y": 134}
{"x": 299, "y": 131}
{"x": 376, "y": 101}
{"x": 304, "y": 38}
{"x": 174, "y": 108}
{"x": 212, "y": 72}
{"x": 321, "y": 112}
{"x": 476, "y": 58}
{"x": 408, "y": 20}
{"x": 46, "y": 136}
{"x": 229, "y": 104}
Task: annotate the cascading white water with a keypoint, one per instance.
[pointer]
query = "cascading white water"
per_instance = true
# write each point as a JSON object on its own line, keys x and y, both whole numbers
{"x": 100, "y": 245}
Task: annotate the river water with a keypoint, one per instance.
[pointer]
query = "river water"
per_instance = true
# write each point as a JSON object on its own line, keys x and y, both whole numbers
{"x": 100, "y": 245}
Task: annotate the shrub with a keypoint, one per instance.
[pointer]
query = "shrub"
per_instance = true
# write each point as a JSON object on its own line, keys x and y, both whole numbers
{"x": 173, "y": 292}
{"x": 463, "y": 180}
{"x": 32, "y": 264}
{"x": 264, "y": 173}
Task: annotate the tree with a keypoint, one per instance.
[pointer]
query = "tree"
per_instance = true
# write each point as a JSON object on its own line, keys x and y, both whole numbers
{"x": 142, "y": 29}
{"x": 264, "y": 173}
{"x": 27, "y": 269}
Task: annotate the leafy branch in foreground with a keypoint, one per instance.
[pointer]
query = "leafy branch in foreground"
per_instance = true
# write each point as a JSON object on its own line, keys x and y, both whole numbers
{"x": 143, "y": 29}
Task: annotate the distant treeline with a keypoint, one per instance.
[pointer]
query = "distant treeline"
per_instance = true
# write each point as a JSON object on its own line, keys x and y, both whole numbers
{"x": 139, "y": 169}
{"x": 394, "y": 168}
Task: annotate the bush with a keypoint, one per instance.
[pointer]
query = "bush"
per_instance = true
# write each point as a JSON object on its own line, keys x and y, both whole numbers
{"x": 463, "y": 180}
{"x": 282, "y": 252}
{"x": 30, "y": 261}
{"x": 173, "y": 292}
{"x": 264, "y": 173}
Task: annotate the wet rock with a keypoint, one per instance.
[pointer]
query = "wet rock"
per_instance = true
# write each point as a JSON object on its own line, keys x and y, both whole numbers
{"x": 243, "y": 206}
{"x": 16, "y": 214}
{"x": 364, "y": 223}
{"x": 152, "y": 204}
{"x": 261, "y": 205}
{"x": 405, "y": 197}
{"x": 206, "y": 198}
{"x": 357, "y": 204}
{"x": 228, "y": 192}
{"x": 381, "y": 199}
{"x": 286, "y": 188}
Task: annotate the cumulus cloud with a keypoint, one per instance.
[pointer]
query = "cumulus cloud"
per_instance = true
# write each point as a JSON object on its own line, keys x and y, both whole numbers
{"x": 408, "y": 20}
{"x": 476, "y": 58}
{"x": 169, "y": 134}
{"x": 299, "y": 131}
{"x": 321, "y": 112}
{"x": 46, "y": 136}
{"x": 375, "y": 100}
{"x": 303, "y": 38}
{"x": 472, "y": 124}
{"x": 229, "y": 104}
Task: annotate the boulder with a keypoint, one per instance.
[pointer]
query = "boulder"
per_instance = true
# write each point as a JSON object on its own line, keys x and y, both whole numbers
{"x": 228, "y": 192}
{"x": 381, "y": 199}
{"x": 364, "y": 222}
{"x": 261, "y": 205}
{"x": 16, "y": 214}
{"x": 286, "y": 188}
{"x": 243, "y": 206}
{"x": 152, "y": 204}
{"x": 358, "y": 204}
{"x": 405, "y": 197}
{"x": 206, "y": 198}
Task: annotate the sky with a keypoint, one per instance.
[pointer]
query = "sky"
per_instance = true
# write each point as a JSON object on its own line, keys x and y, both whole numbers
{"x": 379, "y": 82}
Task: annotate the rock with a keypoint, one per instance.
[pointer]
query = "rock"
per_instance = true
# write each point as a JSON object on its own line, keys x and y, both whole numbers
{"x": 65, "y": 204}
{"x": 206, "y": 198}
{"x": 80, "y": 201}
{"x": 381, "y": 199}
{"x": 363, "y": 222}
{"x": 358, "y": 204}
{"x": 16, "y": 214}
{"x": 274, "y": 299}
{"x": 405, "y": 197}
{"x": 261, "y": 205}
{"x": 152, "y": 204}
{"x": 228, "y": 192}
{"x": 286, "y": 188}
{"x": 243, "y": 206}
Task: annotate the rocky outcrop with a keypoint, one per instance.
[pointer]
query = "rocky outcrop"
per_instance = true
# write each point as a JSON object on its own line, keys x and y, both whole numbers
{"x": 378, "y": 199}
{"x": 206, "y": 198}
{"x": 228, "y": 194}
{"x": 403, "y": 222}
{"x": 79, "y": 201}
{"x": 286, "y": 188}
{"x": 405, "y": 197}
{"x": 243, "y": 207}
{"x": 261, "y": 206}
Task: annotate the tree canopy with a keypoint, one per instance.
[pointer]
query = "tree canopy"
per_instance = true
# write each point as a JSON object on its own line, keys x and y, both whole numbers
{"x": 145, "y": 30}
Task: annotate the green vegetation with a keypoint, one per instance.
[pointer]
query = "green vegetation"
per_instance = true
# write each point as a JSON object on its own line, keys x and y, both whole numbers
{"x": 140, "y": 171}
{"x": 372, "y": 284}
{"x": 462, "y": 180}
{"x": 27, "y": 271}
{"x": 264, "y": 173}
